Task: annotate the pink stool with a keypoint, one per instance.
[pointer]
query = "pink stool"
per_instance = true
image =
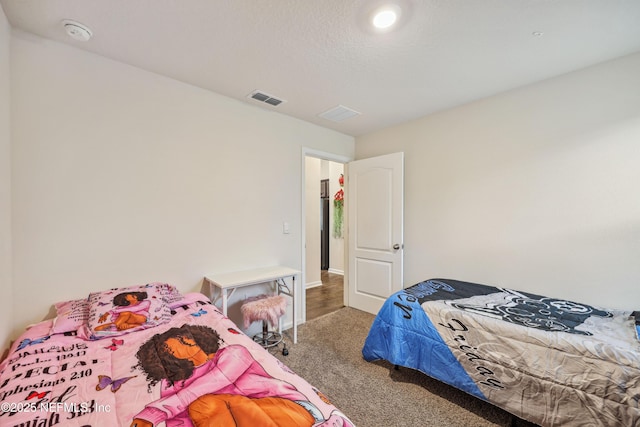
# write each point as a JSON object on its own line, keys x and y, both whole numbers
{"x": 268, "y": 309}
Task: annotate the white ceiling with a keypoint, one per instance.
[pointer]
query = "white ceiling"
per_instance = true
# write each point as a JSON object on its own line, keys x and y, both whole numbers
{"x": 317, "y": 54}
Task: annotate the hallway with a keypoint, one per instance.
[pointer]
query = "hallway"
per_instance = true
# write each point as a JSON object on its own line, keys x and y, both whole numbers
{"x": 327, "y": 298}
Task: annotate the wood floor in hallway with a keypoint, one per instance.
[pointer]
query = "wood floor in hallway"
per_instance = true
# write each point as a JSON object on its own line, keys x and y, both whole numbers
{"x": 327, "y": 298}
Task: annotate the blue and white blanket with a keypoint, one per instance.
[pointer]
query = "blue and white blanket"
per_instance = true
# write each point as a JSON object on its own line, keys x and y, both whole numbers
{"x": 550, "y": 361}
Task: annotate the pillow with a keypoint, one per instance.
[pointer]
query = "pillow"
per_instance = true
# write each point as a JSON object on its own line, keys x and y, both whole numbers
{"x": 70, "y": 316}
{"x": 120, "y": 311}
{"x": 189, "y": 298}
{"x": 170, "y": 293}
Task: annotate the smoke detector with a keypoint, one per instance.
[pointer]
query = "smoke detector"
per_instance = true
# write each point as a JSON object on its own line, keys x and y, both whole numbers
{"x": 76, "y": 30}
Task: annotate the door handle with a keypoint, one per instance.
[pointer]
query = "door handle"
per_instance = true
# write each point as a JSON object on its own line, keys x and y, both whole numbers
{"x": 396, "y": 246}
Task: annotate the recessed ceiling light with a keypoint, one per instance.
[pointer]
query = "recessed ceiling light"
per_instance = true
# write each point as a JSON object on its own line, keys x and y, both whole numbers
{"x": 537, "y": 34}
{"x": 385, "y": 17}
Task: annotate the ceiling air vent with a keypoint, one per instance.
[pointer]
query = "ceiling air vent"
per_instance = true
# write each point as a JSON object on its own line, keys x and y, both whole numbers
{"x": 265, "y": 97}
{"x": 339, "y": 114}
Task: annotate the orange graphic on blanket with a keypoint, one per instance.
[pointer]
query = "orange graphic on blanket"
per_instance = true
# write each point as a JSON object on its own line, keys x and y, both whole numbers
{"x": 204, "y": 384}
{"x": 131, "y": 310}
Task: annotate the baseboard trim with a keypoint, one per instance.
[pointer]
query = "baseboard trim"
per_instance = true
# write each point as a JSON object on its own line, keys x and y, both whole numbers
{"x": 313, "y": 284}
{"x": 288, "y": 326}
{"x": 334, "y": 271}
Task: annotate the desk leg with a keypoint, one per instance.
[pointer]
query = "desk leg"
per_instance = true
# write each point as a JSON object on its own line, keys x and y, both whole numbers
{"x": 225, "y": 301}
{"x": 295, "y": 320}
{"x": 283, "y": 288}
{"x": 278, "y": 288}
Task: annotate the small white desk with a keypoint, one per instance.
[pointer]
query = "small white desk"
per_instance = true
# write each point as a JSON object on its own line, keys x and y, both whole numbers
{"x": 227, "y": 284}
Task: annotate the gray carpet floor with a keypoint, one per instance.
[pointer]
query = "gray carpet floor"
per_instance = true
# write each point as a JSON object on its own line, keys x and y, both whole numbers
{"x": 328, "y": 355}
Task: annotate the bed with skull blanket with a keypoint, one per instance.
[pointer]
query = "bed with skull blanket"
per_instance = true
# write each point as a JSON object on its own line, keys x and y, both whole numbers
{"x": 549, "y": 361}
{"x": 175, "y": 361}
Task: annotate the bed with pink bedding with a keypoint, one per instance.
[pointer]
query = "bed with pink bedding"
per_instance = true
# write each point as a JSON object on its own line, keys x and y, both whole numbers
{"x": 185, "y": 364}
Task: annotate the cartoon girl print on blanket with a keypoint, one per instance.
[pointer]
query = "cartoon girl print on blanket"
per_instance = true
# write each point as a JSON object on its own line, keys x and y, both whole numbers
{"x": 204, "y": 384}
{"x": 131, "y": 310}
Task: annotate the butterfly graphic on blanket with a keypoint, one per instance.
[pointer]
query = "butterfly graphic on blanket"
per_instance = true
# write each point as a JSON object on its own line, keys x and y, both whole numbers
{"x": 199, "y": 313}
{"x": 35, "y": 395}
{"x": 105, "y": 381}
{"x": 114, "y": 344}
{"x": 27, "y": 342}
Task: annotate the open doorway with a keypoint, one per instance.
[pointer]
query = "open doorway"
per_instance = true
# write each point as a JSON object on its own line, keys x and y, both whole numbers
{"x": 324, "y": 257}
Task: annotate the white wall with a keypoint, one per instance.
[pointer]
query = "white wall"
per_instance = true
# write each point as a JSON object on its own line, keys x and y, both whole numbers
{"x": 122, "y": 176}
{"x": 312, "y": 222}
{"x": 6, "y": 290}
{"x": 535, "y": 189}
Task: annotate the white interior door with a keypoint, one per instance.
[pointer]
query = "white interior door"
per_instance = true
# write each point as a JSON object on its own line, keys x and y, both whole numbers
{"x": 375, "y": 210}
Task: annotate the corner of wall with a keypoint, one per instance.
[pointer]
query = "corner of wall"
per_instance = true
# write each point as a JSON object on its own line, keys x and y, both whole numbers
{"x": 6, "y": 284}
